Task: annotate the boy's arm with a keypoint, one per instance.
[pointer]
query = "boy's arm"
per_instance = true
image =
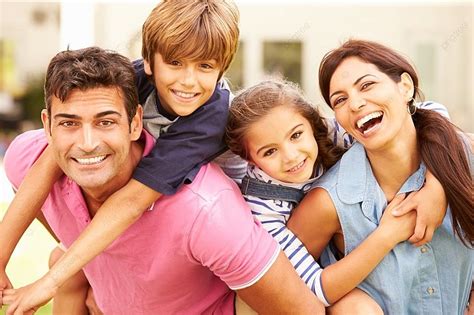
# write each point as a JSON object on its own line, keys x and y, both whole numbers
{"x": 118, "y": 212}
{"x": 25, "y": 206}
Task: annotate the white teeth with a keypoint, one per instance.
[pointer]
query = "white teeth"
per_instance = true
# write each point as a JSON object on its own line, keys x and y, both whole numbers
{"x": 184, "y": 94}
{"x": 296, "y": 167}
{"x": 90, "y": 161}
{"x": 365, "y": 119}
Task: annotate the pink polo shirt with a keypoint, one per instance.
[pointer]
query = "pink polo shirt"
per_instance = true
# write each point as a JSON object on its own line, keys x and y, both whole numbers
{"x": 179, "y": 258}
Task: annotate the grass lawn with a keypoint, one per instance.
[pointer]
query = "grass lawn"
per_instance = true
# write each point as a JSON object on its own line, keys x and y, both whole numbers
{"x": 30, "y": 258}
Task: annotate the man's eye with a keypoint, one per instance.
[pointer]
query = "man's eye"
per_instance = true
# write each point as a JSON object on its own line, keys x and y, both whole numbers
{"x": 175, "y": 63}
{"x": 106, "y": 123}
{"x": 296, "y": 135}
{"x": 67, "y": 124}
{"x": 269, "y": 152}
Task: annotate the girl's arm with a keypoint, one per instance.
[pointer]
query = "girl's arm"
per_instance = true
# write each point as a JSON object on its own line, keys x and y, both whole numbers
{"x": 273, "y": 218}
{"x": 430, "y": 204}
{"x": 343, "y": 276}
{"x": 25, "y": 206}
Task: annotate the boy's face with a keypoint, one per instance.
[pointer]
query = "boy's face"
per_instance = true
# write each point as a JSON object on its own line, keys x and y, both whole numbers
{"x": 183, "y": 85}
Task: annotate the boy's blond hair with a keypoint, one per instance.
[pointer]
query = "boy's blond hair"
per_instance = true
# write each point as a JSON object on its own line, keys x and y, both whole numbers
{"x": 192, "y": 29}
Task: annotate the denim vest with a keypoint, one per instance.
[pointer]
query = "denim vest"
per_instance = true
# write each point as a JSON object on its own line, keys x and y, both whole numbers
{"x": 433, "y": 279}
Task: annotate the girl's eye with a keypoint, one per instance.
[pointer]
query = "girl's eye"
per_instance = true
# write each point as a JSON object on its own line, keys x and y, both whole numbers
{"x": 269, "y": 152}
{"x": 366, "y": 85}
{"x": 296, "y": 135}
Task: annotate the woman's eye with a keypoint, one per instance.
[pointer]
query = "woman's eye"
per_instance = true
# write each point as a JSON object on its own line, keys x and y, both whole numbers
{"x": 366, "y": 85}
{"x": 269, "y": 152}
{"x": 296, "y": 135}
{"x": 338, "y": 101}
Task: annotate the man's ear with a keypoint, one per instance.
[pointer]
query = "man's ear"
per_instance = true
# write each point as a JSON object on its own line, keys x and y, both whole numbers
{"x": 46, "y": 124}
{"x": 147, "y": 67}
{"x": 406, "y": 86}
{"x": 136, "y": 125}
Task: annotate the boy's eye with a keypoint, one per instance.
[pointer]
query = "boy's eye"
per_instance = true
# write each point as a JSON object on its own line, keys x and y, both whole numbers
{"x": 296, "y": 135}
{"x": 206, "y": 66}
{"x": 175, "y": 63}
{"x": 269, "y": 152}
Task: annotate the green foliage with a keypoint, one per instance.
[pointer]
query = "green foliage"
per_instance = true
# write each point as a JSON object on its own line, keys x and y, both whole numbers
{"x": 32, "y": 101}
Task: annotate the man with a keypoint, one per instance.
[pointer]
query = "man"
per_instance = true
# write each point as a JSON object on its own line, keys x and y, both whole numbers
{"x": 184, "y": 253}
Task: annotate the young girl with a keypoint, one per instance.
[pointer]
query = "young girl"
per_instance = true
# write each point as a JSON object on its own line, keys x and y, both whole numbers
{"x": 288, "y": 147}
{"x": 371, "y": 89}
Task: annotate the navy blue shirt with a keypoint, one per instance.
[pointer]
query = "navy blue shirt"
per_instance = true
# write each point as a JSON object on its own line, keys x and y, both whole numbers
{"x": 187, "y": 144}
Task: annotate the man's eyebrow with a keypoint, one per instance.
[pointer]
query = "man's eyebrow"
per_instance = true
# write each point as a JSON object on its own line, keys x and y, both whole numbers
{"x": 64, "y": 115}
{"x": 107, "y": 113}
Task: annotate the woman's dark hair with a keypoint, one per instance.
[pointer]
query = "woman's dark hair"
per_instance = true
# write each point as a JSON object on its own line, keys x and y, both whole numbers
{"x": 439, "y": 141}
{"x": 253, "y": 103}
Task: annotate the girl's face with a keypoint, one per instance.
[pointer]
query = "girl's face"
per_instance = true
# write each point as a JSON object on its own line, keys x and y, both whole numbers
{"x": 368, "y": 104}
{"x": 282, "y": 144}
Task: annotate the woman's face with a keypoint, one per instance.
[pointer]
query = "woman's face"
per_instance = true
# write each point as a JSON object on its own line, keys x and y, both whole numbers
{"x": 282, "y": 144}
{"x": 368, "y": 104}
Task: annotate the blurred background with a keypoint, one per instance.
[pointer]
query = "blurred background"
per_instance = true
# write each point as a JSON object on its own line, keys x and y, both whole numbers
{"x": 286, "y": 38}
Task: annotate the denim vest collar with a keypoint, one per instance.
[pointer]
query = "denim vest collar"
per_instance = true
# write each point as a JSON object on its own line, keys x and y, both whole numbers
{"x": 357, "y": 183}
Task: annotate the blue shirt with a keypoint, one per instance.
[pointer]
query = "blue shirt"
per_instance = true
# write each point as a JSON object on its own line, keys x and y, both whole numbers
{"x": 433, "y": 279}
{"x": 186, "y": 143}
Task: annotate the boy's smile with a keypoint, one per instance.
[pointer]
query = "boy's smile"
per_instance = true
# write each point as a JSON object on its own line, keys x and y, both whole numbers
{"x": 183, "y": 85}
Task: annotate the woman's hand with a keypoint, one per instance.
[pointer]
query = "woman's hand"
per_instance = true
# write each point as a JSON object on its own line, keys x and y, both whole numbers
{"x": 430, "y": 204}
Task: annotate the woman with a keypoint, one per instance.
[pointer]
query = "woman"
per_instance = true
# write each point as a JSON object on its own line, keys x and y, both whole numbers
{"x": 371, "y": 89}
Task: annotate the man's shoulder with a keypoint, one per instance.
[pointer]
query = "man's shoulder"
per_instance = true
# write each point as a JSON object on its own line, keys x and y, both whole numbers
{"x": 22, "y": 153}
{"x": 210, "y": 182}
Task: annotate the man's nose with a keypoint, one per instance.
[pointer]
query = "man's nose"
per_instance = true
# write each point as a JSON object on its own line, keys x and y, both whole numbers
{"x": 90, "y": 140}
{"x": 188, "y": 78}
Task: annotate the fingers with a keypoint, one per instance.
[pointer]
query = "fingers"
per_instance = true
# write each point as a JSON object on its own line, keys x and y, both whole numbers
{"x": 427, "y": 238}
{"x": 419, "y": 232}
{"x": 8, "y": 296}
{"x": 404, "y": 206}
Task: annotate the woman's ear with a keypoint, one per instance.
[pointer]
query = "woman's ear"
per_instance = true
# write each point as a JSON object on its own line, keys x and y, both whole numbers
{"x": 406, "y": 86}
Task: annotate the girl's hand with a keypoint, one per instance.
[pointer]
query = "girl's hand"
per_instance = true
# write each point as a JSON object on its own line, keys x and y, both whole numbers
{"x": 430, "y": 205}
{"x": 400, "y": 228}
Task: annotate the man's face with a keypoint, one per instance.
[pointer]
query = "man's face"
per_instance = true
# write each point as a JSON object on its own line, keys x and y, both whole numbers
{"x": 91, "y": 137}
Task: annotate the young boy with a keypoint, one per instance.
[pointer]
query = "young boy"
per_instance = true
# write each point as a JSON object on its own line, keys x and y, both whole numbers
{"x": 186, "y": 49}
